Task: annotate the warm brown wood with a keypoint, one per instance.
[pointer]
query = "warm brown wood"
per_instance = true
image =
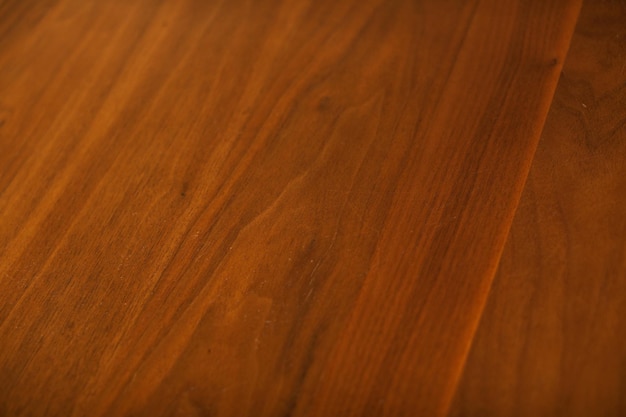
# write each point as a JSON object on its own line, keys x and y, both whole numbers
{"x": 552, "y": 341}
{"x": 277, "y": 207}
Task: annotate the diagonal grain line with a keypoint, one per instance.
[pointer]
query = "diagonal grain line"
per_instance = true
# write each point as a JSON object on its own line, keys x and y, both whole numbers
{"x": 568, "y": 35}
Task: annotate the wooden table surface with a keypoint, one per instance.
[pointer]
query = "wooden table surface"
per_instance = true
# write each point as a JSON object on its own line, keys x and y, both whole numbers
{"x": 298, "y": 208}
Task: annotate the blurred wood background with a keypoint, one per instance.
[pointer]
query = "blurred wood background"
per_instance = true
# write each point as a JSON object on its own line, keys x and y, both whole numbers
{"x": 312, "y": 208}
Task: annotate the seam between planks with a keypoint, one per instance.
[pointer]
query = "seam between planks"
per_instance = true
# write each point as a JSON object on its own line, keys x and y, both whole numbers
{"x": 546, "y": 104}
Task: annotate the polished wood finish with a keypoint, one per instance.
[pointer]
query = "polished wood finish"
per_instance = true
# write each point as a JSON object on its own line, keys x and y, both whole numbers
{"x": 259, "y": 207}
{"x": 552, "y": 341}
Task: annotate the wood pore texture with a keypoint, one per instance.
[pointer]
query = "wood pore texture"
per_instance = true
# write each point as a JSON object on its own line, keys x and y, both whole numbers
{"x": 298, "y": 207}
{"x": 552, "y": 340}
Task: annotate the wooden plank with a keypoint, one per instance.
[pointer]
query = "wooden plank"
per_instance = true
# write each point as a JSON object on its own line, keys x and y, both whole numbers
{"x": 552, "y": 341}
{"x": 259, "y": 207}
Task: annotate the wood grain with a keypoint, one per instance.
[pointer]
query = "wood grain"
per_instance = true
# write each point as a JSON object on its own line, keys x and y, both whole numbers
{"x": 258, "y": 207}
{"x": 552, "y": 341}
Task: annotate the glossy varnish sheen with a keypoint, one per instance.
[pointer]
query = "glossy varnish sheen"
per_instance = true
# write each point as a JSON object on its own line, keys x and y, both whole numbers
{"x": 258, "y": 207}
{"x": 552, "y": 341}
